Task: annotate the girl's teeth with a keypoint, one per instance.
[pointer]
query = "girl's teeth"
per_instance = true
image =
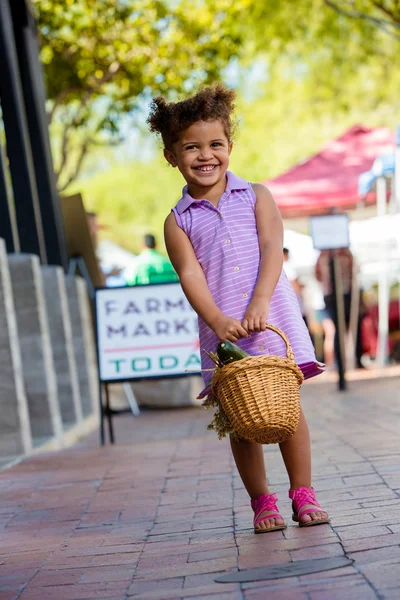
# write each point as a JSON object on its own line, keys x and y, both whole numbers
{"x": 206, "y": 168}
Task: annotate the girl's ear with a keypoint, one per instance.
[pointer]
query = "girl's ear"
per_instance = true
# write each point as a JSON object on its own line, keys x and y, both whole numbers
{"x": 230, "y": 148}
{"x": 170, "y": 157}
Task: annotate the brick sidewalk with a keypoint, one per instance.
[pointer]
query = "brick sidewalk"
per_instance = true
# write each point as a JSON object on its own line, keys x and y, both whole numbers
{"x": 158, "y": 515}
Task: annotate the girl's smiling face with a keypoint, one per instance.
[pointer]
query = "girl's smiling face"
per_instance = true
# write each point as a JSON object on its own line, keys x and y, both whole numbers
{"x": 201, "y": 154}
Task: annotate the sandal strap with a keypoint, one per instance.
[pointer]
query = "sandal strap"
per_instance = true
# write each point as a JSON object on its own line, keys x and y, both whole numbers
{"x": 302, "y": 497}
{"x": 307, "y": 511}
{"x": 264, "y": 503}
{"x": 259, "y": 518}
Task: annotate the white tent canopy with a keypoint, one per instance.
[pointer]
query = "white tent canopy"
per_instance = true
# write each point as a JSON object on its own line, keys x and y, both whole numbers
{"x": 375, "y": 243}
{"x": 301, "y": 251}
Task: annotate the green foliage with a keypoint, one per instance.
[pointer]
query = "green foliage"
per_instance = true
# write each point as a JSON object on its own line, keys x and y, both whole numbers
{"x": 132, "y": 200}
{"x": 383, "y": 14}
{"x": 289, "y": 119}
{"x": 328, "y": 64}
{"x": 293, "y": 117}
{"x": 102, "y": 56}
{"x": 131, "y": 44}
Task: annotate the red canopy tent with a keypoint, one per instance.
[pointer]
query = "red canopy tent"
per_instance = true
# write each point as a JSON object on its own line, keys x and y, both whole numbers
{"x": 330, "y": 178}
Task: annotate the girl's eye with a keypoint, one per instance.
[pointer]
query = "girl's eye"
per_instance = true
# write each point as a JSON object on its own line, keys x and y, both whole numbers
{"x": 216, "y": 144}
{"x": 190, "y": 147}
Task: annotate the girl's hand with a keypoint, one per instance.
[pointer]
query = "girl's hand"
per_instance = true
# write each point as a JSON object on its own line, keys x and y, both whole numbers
{"x": 255, "y": 318}
{"x": 228, "y": 329}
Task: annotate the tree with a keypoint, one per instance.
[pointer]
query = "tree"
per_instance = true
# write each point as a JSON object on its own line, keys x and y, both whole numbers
{"x": 101, "y": 57}
{"x": 384, "y": 14}
{"x": 335, "y": 63}
{"x": 282, "y": 121}
{"x": 291, "y": 119}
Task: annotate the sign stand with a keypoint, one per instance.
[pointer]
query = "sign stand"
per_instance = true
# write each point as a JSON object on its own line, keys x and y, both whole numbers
{"x": 142, "y": 332}
{"x": 76, "y": 265}
{"x": 331, "y": 232}
{"x": 130, "y": 396}
{"x": 106, "y": 412}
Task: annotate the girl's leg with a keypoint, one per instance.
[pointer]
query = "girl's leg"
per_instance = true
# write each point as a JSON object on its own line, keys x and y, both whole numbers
{"x": 249, "y": 459}
{"x": 296, "y": 454}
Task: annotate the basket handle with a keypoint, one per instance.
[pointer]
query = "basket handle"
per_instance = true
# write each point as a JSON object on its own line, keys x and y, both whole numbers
{"x": 289, "y": 351}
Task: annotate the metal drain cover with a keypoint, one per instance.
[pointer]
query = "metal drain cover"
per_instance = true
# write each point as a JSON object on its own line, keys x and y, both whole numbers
{"x": 293, "y": 569}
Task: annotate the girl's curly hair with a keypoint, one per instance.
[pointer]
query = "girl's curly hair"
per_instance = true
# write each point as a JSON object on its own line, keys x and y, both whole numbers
{"x": 169, "y": 119}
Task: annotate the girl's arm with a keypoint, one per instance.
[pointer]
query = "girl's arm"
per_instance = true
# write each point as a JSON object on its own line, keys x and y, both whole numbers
{"x": 270, "y": 239}
{"x": 194, "y": 283}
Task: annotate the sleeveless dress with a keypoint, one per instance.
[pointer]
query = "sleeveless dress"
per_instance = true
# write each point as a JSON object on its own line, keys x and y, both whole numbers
{"x": 225, "y": 242}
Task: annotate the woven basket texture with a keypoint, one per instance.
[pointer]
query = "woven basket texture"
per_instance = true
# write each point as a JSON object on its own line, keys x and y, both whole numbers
{"x": 260, "y": 395}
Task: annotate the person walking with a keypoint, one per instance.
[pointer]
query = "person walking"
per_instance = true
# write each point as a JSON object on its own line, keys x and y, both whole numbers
{"x": 346, "y": 270}
{"x": 151, "y": 266}
{"x": 225, "y": 239}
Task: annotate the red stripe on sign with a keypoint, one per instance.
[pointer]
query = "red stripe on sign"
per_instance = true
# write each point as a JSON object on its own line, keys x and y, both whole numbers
{"x": 140, "y": 348}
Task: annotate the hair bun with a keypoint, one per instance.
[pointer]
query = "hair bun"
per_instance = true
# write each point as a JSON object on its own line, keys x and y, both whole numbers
{"x": 157, "y": 114}
{"x": 223, "y": 95}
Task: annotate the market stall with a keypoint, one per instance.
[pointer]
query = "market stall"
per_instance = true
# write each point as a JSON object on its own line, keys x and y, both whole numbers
{"x": 329, "y": 179}
{"x": 354, "y": 170}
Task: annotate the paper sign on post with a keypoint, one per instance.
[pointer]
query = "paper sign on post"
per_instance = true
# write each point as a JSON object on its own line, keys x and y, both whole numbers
{"x": 145, "y": 331}
{"x": 330, "y": 232}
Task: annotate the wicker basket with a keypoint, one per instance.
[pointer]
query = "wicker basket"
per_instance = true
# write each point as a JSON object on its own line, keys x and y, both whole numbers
{"x": 260, "y": 395}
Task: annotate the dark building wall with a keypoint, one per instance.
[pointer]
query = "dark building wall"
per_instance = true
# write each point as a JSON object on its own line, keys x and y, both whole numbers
{"x": 22, "y": 96}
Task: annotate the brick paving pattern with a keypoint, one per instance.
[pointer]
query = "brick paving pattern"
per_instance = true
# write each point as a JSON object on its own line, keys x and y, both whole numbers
{"x": 159, "y": 515}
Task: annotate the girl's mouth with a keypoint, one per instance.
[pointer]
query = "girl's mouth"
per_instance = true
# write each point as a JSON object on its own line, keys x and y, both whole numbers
{"x": 206, "y": 168}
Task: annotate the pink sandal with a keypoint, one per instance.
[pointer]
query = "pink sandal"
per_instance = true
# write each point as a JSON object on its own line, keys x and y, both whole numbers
{"x": 261, "y": 504}
{"x": 302, "y": 497}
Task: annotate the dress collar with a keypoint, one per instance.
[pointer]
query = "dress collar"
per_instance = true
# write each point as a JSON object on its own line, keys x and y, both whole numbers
{"x": 233, "y": 183}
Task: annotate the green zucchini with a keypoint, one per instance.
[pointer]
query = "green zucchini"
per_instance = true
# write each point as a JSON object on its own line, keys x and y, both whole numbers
{"x": 228, "y": 352}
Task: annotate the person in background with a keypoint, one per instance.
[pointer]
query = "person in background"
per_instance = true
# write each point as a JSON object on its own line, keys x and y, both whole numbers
{"x": 323, "y": 275}
{"x": 298, "y": 287}
{"x": 151, "y": 266}
{"x": 326, "y": 323}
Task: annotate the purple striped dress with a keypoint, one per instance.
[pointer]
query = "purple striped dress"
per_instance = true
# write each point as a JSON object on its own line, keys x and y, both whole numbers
{"x": 225, "y": 242}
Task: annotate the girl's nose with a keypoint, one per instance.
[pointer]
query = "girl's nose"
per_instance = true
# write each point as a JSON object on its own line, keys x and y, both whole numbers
{"x": 205, "y": 154}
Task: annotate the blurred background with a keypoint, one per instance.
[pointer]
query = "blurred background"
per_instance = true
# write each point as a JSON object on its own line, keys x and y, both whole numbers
{"x": 318, "y": 109}
{"x": 304, "y": 72}
{"x": 313, "y": 77}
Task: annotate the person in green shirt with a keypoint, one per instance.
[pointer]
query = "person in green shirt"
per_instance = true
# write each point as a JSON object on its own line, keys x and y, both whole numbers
{"x": 151, "y": 266}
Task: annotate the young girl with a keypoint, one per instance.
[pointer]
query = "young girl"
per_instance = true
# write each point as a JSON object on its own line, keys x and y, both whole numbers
{"x": 225, "y": 240}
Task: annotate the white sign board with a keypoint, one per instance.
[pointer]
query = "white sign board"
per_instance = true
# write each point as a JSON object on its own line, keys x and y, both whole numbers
{"x": 330, "y": 232}
{"x": 145, "y": 331}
